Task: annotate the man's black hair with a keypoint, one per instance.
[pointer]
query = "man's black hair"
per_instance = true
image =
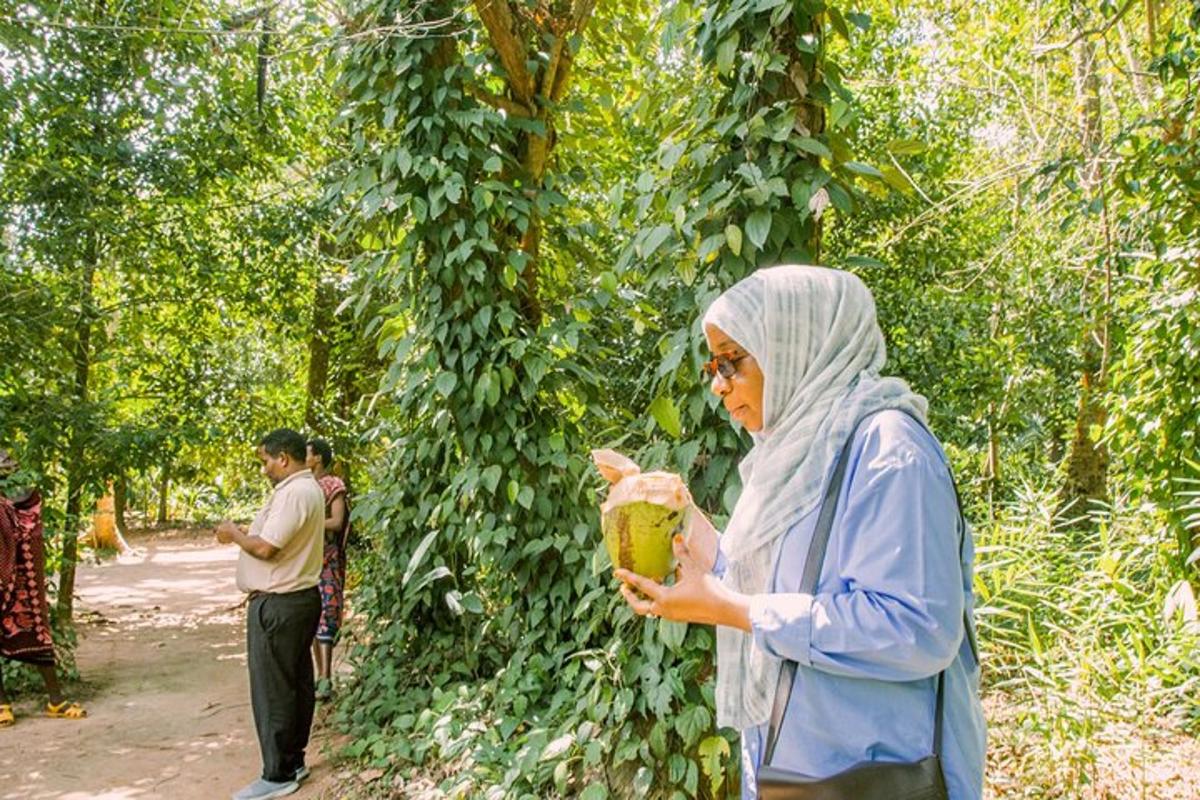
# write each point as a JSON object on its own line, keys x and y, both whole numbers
{"x": 285, "y": 440}
{"x": 321, "y": 448}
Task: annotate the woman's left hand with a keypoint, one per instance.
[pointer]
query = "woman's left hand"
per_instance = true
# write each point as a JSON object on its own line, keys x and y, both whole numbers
{"x": 696, "y": 596}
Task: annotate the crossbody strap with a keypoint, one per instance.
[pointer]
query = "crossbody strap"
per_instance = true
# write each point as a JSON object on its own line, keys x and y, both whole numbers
{"x": 808, "y": 584}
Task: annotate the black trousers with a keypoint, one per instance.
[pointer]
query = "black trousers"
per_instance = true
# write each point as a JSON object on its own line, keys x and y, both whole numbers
{"x": 279, "y": 634}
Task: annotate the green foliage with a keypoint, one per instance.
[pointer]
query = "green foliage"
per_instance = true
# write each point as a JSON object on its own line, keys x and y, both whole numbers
{"x": 489, "y": 573}
{"x": 500, "y": 231}
{"x": 1156, "y": 427}
{"x": 156, "y": 237}
{"x": 140, "y": 203}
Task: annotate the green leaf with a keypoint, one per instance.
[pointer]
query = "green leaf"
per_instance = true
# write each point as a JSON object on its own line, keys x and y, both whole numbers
{"x": 493, "y": 164}
{"x": 837, "y": 113}
{"x": 653, "y": 240}
{"x": 417, "y": 557}
{"x": 905, "y": 147}
{"x": 491, "y": 477}
{"x": 445, "y": 383}
{"x": 692, "y": 723}
{"x": 435, "y": 574}
{"x": 672, "y": 633}
{"x": 594, "y": 791}
{"x": 863, "y": 261}
{"x": 493, "y": 389}
{"x": 858, "y": 168}
{"x": 713, "y": 751}
{"x": 525, "y": 497}
{"x": 733, "y": 237}
{"x": 811, "y": 145}
{"x": 838, "y": 22}
{"x": 666, "y": 414}
{"x": 897, "y": 180}
{"x": 840, "y": 198}
{"x": 726, "y": 50}
{"x": 643, "y": 780}
{"x": 658, "y": 740}
{"x": 863, "y": 21}
{"x": 557, "y": 747}
{"x": 758, "y": 227}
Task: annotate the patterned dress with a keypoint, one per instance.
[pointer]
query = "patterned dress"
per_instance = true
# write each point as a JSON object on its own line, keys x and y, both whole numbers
{"x": 333, "y": 568}
{"x": 24, "y": 616}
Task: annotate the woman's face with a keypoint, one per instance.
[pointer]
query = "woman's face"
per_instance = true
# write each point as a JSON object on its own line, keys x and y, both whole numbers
{"x": 742, "y": 393}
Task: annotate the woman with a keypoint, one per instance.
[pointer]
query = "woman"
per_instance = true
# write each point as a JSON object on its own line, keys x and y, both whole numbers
{"x": 796, "y": 359}
{"x": 24, "y": 615}
{"x": 333, "y": 569}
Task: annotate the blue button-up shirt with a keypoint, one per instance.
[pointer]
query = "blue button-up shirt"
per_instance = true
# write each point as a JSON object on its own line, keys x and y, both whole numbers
{"x": 886, "y": 618}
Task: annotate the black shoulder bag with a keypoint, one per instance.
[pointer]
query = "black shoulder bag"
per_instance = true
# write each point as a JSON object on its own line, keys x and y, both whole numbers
{"x": 868, "y": 780}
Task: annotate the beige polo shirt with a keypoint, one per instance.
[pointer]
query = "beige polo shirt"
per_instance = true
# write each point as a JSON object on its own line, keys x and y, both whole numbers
{"x": 294, "y": 521}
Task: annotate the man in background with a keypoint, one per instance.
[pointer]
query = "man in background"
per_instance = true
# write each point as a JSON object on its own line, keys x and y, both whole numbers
{"x": 279, "y": 567}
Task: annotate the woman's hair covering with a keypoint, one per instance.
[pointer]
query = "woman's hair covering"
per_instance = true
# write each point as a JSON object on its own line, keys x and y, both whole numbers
{"x": 814, "y": 334}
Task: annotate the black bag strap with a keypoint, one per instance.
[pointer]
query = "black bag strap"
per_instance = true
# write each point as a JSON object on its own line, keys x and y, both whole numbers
{"x": 808, "y": 584}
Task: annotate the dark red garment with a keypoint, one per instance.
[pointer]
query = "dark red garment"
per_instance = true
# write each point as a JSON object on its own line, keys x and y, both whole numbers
{"x": 24, "y": 615}
{"x": 333, "y": 487}
{"x": 333, "y": 566}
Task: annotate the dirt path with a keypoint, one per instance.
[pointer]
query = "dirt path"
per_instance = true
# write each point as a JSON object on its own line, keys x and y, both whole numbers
{"x": 162, "y": 654}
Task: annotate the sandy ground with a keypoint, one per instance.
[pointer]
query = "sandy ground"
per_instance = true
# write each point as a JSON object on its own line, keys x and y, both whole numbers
{"x": 163, "y": 661}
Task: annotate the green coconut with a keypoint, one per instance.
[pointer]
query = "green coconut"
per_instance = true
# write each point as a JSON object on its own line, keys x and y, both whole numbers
{"x": 638, "y": 537}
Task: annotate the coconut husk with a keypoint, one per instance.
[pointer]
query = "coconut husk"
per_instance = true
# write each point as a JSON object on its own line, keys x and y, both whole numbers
{"x": 631, "y": 485}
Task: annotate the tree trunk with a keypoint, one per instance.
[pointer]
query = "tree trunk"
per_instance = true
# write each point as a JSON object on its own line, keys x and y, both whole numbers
{"x": 534, "y": 92}
{"x": 324, "y": 303}
{"x": 120, "y": 499}
{"x": 992, "y": 471}
{"x": 1086, "y": 473}
{"x": 82, "y": 358}
{"x": 802, "y": 73}
{"x": 164, "y": 486}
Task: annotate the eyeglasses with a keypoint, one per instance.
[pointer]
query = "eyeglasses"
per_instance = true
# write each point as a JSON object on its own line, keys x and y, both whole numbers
{"x": 725, "y": 366}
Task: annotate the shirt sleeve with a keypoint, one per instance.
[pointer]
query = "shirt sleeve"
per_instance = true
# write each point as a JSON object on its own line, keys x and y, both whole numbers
{"x": 720, "y": 564}
{"x": 894, "y": 610}
{"x": 283, "y": 520}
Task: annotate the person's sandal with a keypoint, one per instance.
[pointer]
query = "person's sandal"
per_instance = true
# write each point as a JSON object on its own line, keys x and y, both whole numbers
{"x": 6, "y": 715}
{"x": 65, "y": 710}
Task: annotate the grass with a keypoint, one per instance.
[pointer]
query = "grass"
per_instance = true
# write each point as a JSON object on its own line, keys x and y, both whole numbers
{"x": 1091, "y": 691}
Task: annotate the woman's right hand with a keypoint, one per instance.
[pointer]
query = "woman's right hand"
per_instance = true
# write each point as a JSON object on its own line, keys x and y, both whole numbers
{"x": 696, "y": 596}
{"x": 702, "y": 540}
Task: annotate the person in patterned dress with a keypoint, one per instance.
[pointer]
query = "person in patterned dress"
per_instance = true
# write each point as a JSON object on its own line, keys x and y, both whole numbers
{"x": 24, "y": 615}
{"x": 333, "y": 569}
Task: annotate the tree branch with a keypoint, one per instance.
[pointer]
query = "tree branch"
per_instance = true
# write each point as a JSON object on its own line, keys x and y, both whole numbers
{"x": 498, "y": 19}
{"x": 558, "y": 77}
{"x": 511, "y": 107}
{"x": 1113, "y": 20}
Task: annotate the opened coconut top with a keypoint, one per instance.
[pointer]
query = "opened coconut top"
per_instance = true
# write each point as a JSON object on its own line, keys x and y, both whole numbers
{"x": 631, "y": 485}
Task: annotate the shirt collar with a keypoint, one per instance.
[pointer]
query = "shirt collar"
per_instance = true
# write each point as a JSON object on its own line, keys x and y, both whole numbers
{"x": 301, "y": 474}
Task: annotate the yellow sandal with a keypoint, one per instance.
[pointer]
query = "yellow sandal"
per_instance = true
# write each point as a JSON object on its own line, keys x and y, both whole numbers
{"x": 6, "y": 715}
{"x": 65, "y": 710}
